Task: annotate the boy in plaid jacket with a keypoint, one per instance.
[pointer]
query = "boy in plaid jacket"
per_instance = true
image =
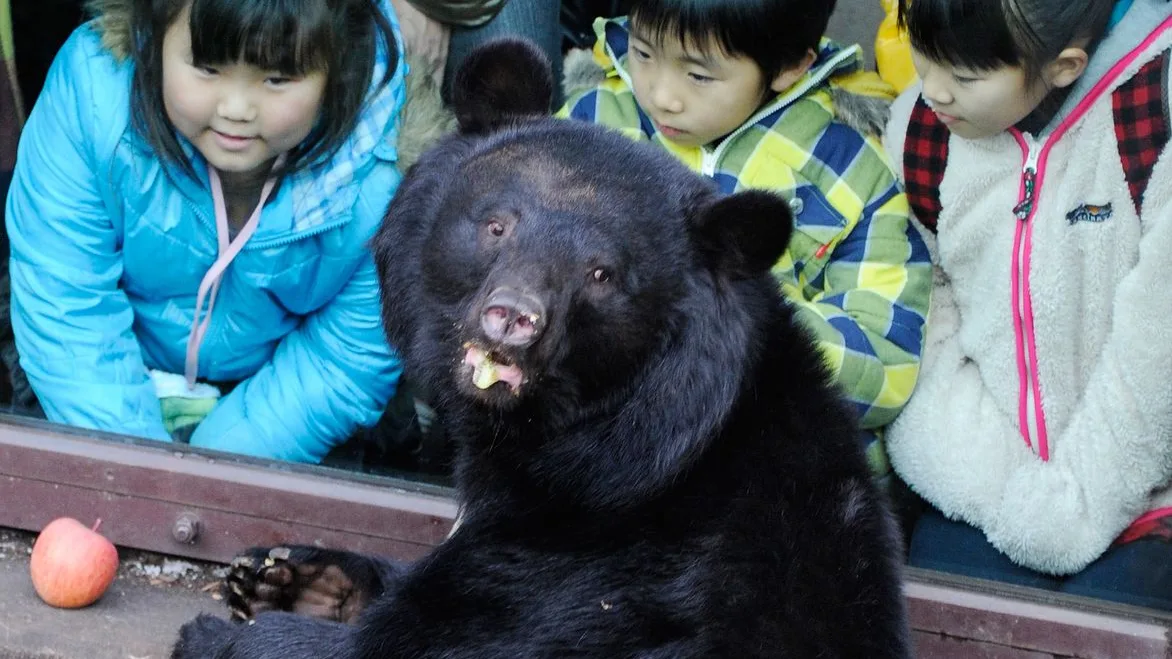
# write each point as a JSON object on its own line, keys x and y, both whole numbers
{"x": 753, "y": 104}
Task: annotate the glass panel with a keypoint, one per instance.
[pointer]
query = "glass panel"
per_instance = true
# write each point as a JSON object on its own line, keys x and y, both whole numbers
{"x": 404, "y": 443}
{"x": 408, "y": 443}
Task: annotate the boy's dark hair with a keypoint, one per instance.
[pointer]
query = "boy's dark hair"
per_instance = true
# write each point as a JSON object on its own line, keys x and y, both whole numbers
{"x": 339, "y": 37}
{"x": 775, "y": 34}
{"x": 987, "y": 34}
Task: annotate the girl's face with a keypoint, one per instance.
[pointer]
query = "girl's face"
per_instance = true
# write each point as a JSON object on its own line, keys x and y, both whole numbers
{"x": 238, "y": 116}
{"x": 975, "y": 104}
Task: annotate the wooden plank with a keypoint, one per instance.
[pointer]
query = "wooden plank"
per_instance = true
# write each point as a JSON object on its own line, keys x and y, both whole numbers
{"x": 1068, "y": 627}
{"x": 142, "y": 491}
{"x": 935, "y": 646}
{"x": 130, "y": 521}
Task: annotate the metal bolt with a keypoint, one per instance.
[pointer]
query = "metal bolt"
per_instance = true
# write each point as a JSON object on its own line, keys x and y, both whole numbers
{"x": 186, "y": 529}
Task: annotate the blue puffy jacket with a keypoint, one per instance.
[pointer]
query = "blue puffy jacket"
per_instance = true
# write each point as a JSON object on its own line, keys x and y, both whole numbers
{"x": 109, "y": 245}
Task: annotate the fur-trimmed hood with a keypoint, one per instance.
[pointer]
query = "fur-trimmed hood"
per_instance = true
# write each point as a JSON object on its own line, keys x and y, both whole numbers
{"x": 113, "y": 22}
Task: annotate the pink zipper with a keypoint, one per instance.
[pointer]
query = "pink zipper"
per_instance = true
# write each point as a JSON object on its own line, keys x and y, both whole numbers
{"x": 1033, "y": 171}
{"x": 1032, "y": 178}
{"x": 1023, "y": 377}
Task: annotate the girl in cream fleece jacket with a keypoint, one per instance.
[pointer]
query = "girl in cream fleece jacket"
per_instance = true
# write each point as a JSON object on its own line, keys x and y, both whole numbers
{"x": 1035, "y": 147}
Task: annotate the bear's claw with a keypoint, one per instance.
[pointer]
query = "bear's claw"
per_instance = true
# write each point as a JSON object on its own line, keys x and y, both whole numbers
{"x": 300, "y": 580}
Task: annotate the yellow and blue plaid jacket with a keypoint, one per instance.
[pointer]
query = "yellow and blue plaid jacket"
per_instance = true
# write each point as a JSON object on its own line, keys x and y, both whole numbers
{"x": 856, "y": 271}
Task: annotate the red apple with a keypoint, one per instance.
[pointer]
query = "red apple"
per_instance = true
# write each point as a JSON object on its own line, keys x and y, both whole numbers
{"x": 72, "y": 566}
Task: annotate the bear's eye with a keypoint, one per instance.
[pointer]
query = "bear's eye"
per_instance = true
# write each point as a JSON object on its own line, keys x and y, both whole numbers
{"x": 600, "y": 275}
{"x": 495, "y": 228}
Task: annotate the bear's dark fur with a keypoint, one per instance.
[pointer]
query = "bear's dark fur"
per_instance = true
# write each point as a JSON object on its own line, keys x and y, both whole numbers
{"x": 652, "y": 460}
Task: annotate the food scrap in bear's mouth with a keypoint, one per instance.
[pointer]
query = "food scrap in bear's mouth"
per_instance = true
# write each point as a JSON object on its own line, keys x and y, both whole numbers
{"x": 484, "y": 374}
{"x": 487, "y": 372}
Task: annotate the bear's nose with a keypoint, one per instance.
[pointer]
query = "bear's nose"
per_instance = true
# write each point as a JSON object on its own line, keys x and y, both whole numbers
{"x": 512, "y": 317}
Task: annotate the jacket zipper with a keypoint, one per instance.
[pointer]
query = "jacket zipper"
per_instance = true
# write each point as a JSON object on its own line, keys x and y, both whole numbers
{"x": 280, "y": 241}
{"x": 1032, "y": 178}
{"x": 1031, "y": 417}
{"x": 708, "y": 158}
{"x": 252, "y": 244}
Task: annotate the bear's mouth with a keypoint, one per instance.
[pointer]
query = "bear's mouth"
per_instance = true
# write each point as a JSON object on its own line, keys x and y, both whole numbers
{"x": 490, "y": 367}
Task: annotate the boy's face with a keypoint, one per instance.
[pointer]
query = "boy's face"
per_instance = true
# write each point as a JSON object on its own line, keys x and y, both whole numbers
{"x": 697, "y": 95}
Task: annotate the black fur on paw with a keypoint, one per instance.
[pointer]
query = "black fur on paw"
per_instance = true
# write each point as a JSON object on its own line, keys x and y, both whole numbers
{"x": 302, "y": 580}
{"x": 202, "y": 638}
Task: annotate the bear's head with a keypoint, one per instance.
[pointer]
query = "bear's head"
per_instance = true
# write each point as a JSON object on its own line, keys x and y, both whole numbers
{"x": 560, "y": 273}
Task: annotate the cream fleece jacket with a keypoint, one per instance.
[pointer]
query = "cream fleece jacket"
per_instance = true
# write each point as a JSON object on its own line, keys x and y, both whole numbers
{"x": 1102, "y": 341}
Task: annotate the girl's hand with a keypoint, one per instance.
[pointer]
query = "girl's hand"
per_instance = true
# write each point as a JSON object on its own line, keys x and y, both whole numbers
{"x": 425, "y": 40}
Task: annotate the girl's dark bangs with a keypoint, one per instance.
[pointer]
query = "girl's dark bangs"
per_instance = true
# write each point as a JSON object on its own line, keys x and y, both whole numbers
{"x": 972, "y": 34}
{"x": 289, "y": 36}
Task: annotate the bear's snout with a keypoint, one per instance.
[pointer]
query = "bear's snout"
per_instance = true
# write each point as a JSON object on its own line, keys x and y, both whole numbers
{"x": 512, "y": 318}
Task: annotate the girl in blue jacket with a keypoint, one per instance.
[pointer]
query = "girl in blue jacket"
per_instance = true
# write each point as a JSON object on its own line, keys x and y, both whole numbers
{"x": 194, "y": 194}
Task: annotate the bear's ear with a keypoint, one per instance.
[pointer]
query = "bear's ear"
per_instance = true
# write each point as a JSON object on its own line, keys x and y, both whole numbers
{"x": 742, "y": 235}
{"x": 503, "y": 80}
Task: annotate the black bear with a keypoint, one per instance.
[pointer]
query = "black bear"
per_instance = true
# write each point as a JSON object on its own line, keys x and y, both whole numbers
{"x": 652, "y": 462}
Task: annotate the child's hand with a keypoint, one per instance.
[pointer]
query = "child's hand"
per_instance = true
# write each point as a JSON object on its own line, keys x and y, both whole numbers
{"x": 181, "y": 406}
{"x": 179, "y": 412}
{"x": 425, "y": 39}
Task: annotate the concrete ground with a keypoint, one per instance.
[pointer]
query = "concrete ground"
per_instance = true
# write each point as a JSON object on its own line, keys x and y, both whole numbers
{"x": 138, "y": 618}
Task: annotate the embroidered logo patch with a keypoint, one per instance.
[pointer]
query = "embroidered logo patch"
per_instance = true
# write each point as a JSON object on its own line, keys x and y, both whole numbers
{"x": 1090, "y": 213}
